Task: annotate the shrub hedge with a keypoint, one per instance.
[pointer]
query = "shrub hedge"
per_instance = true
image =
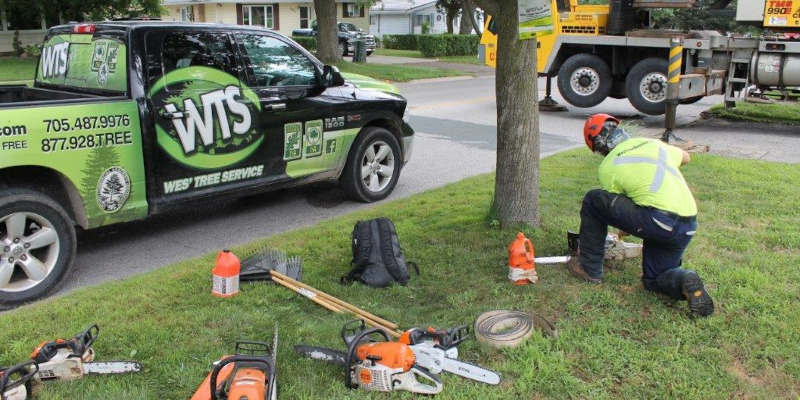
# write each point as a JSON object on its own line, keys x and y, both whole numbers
{"x": 308, "y": 42}
{"x": 448, "y": 45}
{"x": 400, "y": 42}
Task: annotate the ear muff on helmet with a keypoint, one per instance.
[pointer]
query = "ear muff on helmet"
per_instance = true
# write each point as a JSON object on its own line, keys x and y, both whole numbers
{"x": 594, "y": 127}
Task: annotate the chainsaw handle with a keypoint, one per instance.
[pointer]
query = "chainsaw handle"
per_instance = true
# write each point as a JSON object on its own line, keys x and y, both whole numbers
{"x": 352, "y": 329}
{"x": 84, "y": 340}
{"x": 445, "y": 338}
{"x": 236, "y": 359}
{"x": 413, "y": 385}
{"x": 351, "y": 353}
{"x": 26, "y": 370}
{"x": 458, "y": 334}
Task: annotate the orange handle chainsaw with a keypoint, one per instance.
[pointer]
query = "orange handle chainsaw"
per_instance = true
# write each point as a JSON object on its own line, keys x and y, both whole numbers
{"x": 385, "y": 366}
{"x": 249, "y": 374}
{"x": 15, "y": 382}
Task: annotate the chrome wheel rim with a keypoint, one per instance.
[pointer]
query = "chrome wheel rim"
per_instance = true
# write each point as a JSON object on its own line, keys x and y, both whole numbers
{"x": 653, "y": 87}
{"x": 30, "y": 249}
{"x": 377, "y": 166}
{"x": 584, "y": 81}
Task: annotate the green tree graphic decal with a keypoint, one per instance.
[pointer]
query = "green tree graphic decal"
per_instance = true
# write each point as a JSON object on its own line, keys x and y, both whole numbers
{"x": 99, "y": 160}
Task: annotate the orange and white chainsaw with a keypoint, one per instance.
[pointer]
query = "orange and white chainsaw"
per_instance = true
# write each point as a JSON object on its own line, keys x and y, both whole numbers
{"x": 69, "y": 359}
{"x": 249, "y": 374}
{"x": 377, "y": 365}
{"x": 437, "y": 351}
{"x": 15, "y": 382}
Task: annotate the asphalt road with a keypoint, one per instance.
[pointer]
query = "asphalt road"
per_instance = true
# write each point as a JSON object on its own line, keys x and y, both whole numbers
{"x": 456, "y": 138}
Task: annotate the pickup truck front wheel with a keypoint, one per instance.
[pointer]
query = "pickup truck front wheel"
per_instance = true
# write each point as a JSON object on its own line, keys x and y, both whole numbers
{"x": 373, "y": 166}
{"x": 37, "y": 246}
{"x": 343, "y": 49}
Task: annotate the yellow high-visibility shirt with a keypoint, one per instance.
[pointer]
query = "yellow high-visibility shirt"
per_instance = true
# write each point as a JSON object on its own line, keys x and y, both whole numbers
{"x": 646, "y": 170}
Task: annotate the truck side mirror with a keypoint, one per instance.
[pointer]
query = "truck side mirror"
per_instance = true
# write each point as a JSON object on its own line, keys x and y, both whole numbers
{"x": 331, "y": 77}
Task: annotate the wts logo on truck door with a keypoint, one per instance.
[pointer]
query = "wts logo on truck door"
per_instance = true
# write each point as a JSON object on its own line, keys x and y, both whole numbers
{"x": 215, "y": 106}
{"x": 205, "y": 119}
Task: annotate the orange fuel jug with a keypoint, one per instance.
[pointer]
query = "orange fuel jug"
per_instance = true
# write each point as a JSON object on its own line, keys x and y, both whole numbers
{"x": 521, "y": 268}
{"x": 225, "y": 275}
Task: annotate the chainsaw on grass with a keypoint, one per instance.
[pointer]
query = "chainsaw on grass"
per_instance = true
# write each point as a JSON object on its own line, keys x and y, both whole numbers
{"x": 249, "y": 374}
{"x": 15, "y": 382}
{"x": 69, "y": 359}
{"x": 437, "y": 351}
{"x": 373, "y": 362}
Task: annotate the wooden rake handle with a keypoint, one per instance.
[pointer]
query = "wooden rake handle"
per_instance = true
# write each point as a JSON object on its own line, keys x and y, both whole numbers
{"x": 334, "y": 304}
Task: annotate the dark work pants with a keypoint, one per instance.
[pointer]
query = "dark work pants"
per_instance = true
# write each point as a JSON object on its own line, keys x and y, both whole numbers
{"x": 664, "y": 237}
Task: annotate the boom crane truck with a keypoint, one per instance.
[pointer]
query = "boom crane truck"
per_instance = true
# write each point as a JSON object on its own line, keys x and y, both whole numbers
{"x": 600, "y": 51}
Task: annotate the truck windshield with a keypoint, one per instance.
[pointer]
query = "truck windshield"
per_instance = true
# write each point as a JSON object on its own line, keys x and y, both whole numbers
{"x": 81, "y": 61}
{"x": 347, "y": 27}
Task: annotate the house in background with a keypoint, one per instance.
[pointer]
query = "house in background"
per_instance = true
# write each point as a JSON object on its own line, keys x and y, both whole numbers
{"x": 279, "y": 15}
{"x": 404, "y": 17}
{"x": 29, "y": 21}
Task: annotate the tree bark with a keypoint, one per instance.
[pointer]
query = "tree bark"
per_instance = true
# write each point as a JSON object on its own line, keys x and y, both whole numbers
{"x": 470, "y": 6}
{"x": 327, "y": 32}
{"x": 467, "y": 14}
{"x": 451, "y": 16}
{"x": 516, "y": 198}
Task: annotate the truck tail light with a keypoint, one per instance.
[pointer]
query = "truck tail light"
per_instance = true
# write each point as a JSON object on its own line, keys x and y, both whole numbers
{"x": 83, "y": 28}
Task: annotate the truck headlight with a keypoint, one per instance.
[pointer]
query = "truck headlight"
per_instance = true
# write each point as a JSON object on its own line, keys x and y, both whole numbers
{"x": 407, "y": 115}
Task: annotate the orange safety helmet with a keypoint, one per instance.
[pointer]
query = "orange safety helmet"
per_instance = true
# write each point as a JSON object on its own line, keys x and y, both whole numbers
{"x": 595, "y": 125}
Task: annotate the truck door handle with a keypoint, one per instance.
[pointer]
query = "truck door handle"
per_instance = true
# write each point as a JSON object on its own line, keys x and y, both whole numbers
{"x": 172, "y": 115}
{"x": 275, "y": 106}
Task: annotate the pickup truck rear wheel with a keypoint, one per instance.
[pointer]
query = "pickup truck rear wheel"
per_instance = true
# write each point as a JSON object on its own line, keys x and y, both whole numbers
{"x": 584, "y": 80}
{"x": 343, "y": 49}
{"x": 37, "y": 246}
{"x": 373, "y": 166}
{"x": 646, "y": 86}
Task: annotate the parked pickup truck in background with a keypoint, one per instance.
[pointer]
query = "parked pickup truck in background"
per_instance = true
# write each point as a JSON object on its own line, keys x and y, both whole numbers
{"x": 347, "y": 37}
{"x": 129, "y": 119}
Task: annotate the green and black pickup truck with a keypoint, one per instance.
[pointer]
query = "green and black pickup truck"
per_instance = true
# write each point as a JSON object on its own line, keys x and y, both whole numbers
{"x": 129, "y": 119}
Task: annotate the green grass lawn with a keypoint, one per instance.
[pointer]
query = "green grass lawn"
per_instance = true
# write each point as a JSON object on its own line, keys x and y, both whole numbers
{"x": 17, "y": 69}
{"x": 615, "y": 340}
{"x": 397, "y": 73}
{"x": 472, "y": 59}
{"x": 780, "y": 113}
{"x": 398, "y": 53}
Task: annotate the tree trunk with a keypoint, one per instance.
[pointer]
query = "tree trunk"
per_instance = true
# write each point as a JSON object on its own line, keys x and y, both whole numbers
{"x": 516, "y": 198}
{"x": 469, "y": 7}
{"x": 464, "y": 26}
{"x": 327, "y": 32}
{"x": 451, "y": 17}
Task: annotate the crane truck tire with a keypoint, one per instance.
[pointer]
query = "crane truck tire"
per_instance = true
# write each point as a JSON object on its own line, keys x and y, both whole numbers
{"x": 646, "y": 86}
{"x": 584, "y": 80}
{"x": 37, "y": 246}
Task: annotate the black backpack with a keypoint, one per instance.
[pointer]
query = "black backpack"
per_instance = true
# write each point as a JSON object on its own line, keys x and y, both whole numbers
{"x": 377, "y": 256}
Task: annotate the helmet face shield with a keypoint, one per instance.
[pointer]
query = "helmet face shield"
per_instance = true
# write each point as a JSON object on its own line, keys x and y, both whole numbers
{"x": 609, "y": 137}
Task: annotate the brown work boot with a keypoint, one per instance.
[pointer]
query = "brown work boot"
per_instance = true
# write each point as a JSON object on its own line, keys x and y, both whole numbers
{"x": 700, "y": 302}
{"x": 576, "y": 269}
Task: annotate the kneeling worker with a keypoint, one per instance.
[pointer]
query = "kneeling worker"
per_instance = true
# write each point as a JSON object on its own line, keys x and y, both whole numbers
{"x": 645, "y": 195}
